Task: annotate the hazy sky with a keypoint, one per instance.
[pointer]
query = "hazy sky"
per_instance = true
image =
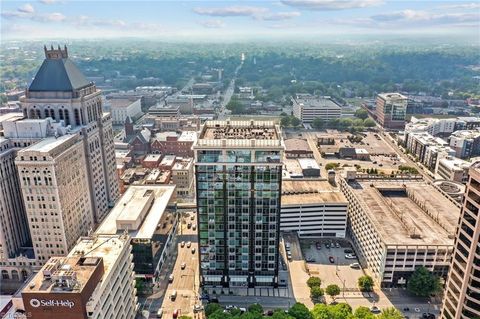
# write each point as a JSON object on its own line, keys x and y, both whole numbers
{"x": 235, "y": 19}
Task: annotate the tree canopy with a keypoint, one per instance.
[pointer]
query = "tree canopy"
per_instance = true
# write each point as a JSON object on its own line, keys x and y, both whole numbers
{"x": 365, "y": 283}
{"x": 422, "y": 283}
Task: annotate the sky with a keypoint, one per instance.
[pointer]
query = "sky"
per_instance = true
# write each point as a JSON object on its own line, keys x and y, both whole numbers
{"x": 210, "y": 20}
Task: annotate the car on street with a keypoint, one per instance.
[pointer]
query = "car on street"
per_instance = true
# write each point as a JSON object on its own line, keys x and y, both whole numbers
{"x": 348, "y": 251}
{"x": 194, "y": 227}
{"x": 331, "y": 259}
{"x": 189, "y": 243}
{"x": 350, "y": 256}
{"x": 189, "y": 225}
{"x": 197, "y": 308}
{"x": 176, "y": 313}
{"x": 327, "y": 245}
{"x": 375, "y": 309}
{"x": 160, "y": 313}
{"x": 310, "y": 259}
{"x": 192, "y": 217}
{"x": 183, "y": 265}
{"x": 229, "y": 307}
{"x": 337, "y": 245}
{"x": 182, "y": 244}
{"x": 173, "y": 295}
{"x": 193, "y": 250}
{"x": 170, "y": 278}
{"x": 355, "y": 266}
{"x": 205, "y": 297}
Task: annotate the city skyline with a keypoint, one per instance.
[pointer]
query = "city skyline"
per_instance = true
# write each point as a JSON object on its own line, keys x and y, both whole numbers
{"x": 236, "y": 20}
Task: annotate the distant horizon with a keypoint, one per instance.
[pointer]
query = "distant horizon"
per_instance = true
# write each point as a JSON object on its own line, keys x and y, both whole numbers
{"x": 229, "y": 20}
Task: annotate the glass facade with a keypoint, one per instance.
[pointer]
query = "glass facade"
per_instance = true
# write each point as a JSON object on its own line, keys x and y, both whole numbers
{"x": 238, "y": 207}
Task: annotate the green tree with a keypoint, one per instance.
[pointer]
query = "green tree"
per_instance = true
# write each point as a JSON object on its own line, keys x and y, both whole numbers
{"x": 300, "y": 311}
{"x": 341, "y": 311}
{"x": 368, "y": 123}
{"x": 363, "y": 313}
{"x": 321, "y": 311}
{"x": 294, "y": 121}
{"x": 316, "y": 292}
{"x": 361, "y": 114}
{"x": 332, "y": 290}
{"x": 219, "y": 314}
{"x": 422, "y": 283}
{"x": 365, "y": 283}
{"x": 280, "y": 314}
{"x": 255, "y": 309}
{"x": 184, "y": 317}
{"x": 317, "y": 123}
{"x": 235, "y": 106}
{"x": 390, "y": 313}
{"x": 285, "y": 121}
{"x": 314, "y": 281}
{"x": 211, "y": 308}
{"x": 330, "y": 166}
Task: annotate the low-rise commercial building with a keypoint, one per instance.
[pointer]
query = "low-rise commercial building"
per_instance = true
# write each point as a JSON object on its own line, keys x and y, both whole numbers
{"x": 296, "y": 147}
{"x": 94, "y": 281}
{"x": 173, "y": 143}
{"x": 399, "y": 225}
{"x": 307, "y": 108}
{"x": 313, "y": 208}
{"x": 120, "y": 109}
{"x": 183, "y": 177}
{"x": 147, "y": 213}
{"x": 309, "y": 167}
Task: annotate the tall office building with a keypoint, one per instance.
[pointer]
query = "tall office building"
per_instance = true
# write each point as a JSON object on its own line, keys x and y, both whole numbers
{"x": 13, "y": 228}
{"x": 462, "y": 292}
{"x": 238, "y": 176}
{"x": 55, "y": 190}
{"x": 391, "y": 110}
{"x": 61, "y": 92}
{"x": 95, "y": 281}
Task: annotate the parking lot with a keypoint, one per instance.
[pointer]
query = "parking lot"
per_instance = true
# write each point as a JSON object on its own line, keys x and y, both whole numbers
{"x": 335, "y": 271}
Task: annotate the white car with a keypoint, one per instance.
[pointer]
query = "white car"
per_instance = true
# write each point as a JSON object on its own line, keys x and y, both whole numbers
{"x": 183, "y": 265}
{"x": 189, "y": 243}
{"x": 355, "y": 266}
{"x": 350, "y": 256}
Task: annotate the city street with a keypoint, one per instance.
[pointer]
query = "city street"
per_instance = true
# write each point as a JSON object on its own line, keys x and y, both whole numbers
{"x": 185, "y": 281}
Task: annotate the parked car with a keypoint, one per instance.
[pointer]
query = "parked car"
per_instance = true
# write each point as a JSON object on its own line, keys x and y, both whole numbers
{"x": 160, "y": 313}
{"x": 194, "y": 227}
{"x": 193, "y": 250}
{"x": 173, "y": 295}
{"x": 205, "y": 297}
{"x": 327, "y": 245}
{"x": 337, "y": 245}
{"x": 182, "y": 244}
{"x": 189, "y": 243}
{"x": 310, "y": 259}
{"x": 197, "y": 308}
{"x": 170, "y": 278}
{"x": 189, "y": 225}
{"x": 350, "y": 256}
{"x": 348, "y": 251}
{"x": 331, "y": 259}
{"x": 192, "y": 217}
{"x": 176, "y": 313}
{"x": 375, "y": 309}
{"x": 183, "y": 265}
{"x": 355, "y": 266}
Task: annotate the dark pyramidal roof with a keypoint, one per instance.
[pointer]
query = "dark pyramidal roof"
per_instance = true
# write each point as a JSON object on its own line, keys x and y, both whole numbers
{"x": 58, "y": 73}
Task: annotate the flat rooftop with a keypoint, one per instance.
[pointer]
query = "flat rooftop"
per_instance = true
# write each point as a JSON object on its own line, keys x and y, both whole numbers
{"x": 297, "y": 144}
{"x": 89, "y": 260}
{"x": 239, "y": 130}
{"x": 133, "y": 204}
{"x": 393, "y": 209}
{"x": 49, "y": 143}
{"x": 296, "y": 192}
{"x": 318, "y": 102}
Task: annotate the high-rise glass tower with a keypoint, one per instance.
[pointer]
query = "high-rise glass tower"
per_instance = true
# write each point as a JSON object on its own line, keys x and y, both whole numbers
{"x": 238, "y": 168}
{"x": 462, "y": 289}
